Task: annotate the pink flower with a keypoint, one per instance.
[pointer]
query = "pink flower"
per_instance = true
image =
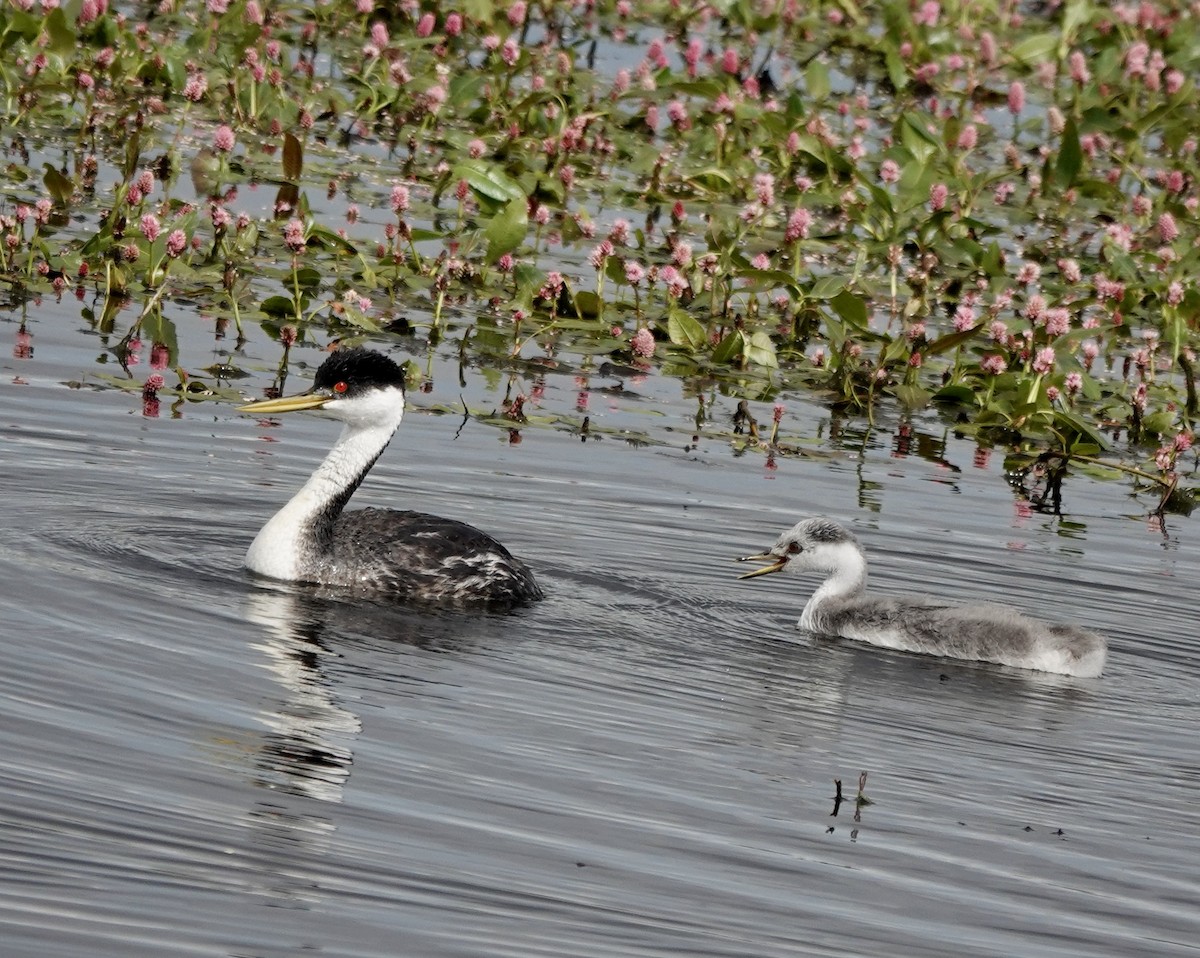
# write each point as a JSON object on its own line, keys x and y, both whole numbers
{"x": 642, "y": 343}
{"x": 968, "y": 136}
{"x": 1175, "y": 293}
{"x": 634, "y": 272}
{"x": 454, "y": 24}
{"x": 1070, "y": 270}
{"x": 937, "y": 196}
{"x": 176, "y": 243}
{"x": 1109, "y": 289}
{"x": 1168, "y": 231}
{"x": 964, "y": 318}
{"x": 1135, "y": 59}
{"x": 223, "y": 139}
{"x": 1043, "y": 362}
{"x": 673, "y": 280}
{"x": 1078, "y": 66}
{"x": 600, "y": 255}
{"x": 425, "y": 25}
{"x": 678, "y": 115}
{"x": 1058, "y": 321}
{"x": 988, "y": 50}
{"x": 293, "y": 235}
{"x": 1028, "y": 273}
{"x": 798, "y": 225}
{"x": 993, "y": 365}
{"x": 1073, "y": 382}
{"x": 889, "y": 171}
{"x": 150, "y": 227}
{"x": 510, "y": 53}
{"x": 516, "y": 13}
{"x": 399, "y": 199}
{"x": 1016, "y": 97}
{"x": 761, "y": 261}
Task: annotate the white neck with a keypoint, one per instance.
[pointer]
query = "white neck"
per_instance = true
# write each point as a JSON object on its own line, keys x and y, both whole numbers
{"x": 847, "y": 568}
{"x": 304, "y": 527}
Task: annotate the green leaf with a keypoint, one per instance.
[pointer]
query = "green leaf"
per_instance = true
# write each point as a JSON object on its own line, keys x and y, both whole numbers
{"x": 684, "y": 330}
{"x": 293, "y": 157}
{"x": 158, "y": 329}
{"x": 1070, "y": 157}
{"x": 914, "y": 397}
{"x": 730, "y": 348}
{"x": 319, "y": 235}
{"x": 60, "y": 186}
{"x": 827, "y": 287}
{"x": 950, "y": 340}
{"x": 1036, "y": 49}
{"x": 960, "y": 395}
{"x": 308, "y": 278}
{"x": 851, "y": 307}
{"x": 897, "y": 73}
{"x": 816, "y": 80}
{"x": 588, "y": 305}
{"x": 278, "y": 306}
{"x": 507, "y": 229}
{"x": 488, "y": 180}
{"x": 62, "y": 36}
{"x": 761, "y": 350}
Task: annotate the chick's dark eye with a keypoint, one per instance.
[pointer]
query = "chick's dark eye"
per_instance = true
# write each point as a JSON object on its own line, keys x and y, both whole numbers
{"x": 340, "y": 387}
{"x": 793, "y": 548}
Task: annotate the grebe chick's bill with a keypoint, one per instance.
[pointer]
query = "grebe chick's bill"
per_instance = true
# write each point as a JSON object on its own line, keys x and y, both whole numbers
{"x": 409, "y": 555}
{"x": 982, "y": 632}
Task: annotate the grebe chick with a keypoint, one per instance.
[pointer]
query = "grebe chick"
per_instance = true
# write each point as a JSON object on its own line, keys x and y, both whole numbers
{"x": 409, "y": 555}
{"x": 982, "y": 632}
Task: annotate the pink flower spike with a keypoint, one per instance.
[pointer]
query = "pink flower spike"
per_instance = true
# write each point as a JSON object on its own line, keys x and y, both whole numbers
{"x": 425, "y": 25}
{"x": 1016, "y": 97}
{"x": 224, "y": 139}
{"x": 642, "y": 343}
{"x": 937, "y": 196}
{"x": 293, "y": 235}
{"x": 150, "y": 227}
{"x": 176, "y": 243}
{"x": 399, "y": 199}
{"x": 1168, "y": 230}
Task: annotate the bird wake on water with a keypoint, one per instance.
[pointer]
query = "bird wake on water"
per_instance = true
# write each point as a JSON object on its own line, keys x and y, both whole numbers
{"x": 409, "y": 555}
{"x": 983, "y": 632}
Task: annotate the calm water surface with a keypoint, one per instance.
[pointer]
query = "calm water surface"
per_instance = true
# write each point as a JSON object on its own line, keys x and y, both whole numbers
{"x": 192, "y": 762}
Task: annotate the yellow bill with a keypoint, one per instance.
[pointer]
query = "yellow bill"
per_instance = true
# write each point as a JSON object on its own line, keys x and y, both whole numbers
{"x": 295, "y": 403}
{"x": 776, "y": 564}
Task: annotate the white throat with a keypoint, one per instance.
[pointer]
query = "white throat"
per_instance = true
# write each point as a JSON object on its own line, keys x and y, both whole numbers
{"x": 303, "y": 529}
{"x": 846, "y": 565}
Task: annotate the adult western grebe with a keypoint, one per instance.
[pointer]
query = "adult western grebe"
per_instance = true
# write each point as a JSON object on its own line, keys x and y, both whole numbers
{"x": 407, "y": 554}
{"x": 981, "y": 632}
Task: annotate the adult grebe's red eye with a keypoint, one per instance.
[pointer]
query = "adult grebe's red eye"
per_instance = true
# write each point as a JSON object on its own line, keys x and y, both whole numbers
{"x": 340, "y": 387}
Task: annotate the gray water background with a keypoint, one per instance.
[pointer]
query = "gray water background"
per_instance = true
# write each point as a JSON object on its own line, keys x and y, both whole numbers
{"x": 195, "y": 763}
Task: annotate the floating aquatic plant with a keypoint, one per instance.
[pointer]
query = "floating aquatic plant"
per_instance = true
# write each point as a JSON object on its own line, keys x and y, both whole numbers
{"x": 970, "y": 207}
